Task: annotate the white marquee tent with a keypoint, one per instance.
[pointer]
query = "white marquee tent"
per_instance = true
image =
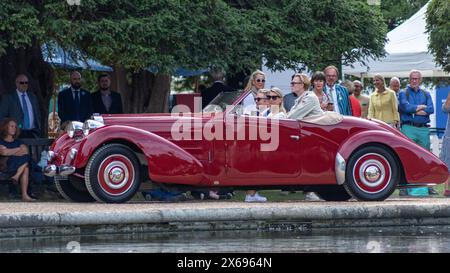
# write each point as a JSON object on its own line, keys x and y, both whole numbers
{"x": 407, "y": 49}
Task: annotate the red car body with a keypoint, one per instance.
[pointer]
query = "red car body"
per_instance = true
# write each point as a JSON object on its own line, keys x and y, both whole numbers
{"x": 312, "y": 155}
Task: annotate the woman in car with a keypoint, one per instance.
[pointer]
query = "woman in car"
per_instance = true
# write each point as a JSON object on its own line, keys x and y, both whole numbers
{"x": 307, "y": 104}
{"x": 256, "y": 82}
{"x": 275, "y": 100}
{"x": 261, "y": 110}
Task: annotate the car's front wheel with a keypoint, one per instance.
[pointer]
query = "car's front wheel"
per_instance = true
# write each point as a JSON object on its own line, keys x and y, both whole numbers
{"x": 372, "y": 174}
{"x": 73, "y": 189}
{"x": 112, "y": 174}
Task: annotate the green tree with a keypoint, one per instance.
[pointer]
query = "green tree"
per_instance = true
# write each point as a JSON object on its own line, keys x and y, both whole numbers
{"x": 396, "y": 12}
{"x": 333, "y": 31}
{"x": 133, "y": 35}
{"x": 20, "y": 51}
{"x": 438, "y": 26}
{"x": 128, "y": 35}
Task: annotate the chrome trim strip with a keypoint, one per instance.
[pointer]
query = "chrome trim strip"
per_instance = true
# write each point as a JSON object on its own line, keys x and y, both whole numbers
{"x": 97, "y": 117}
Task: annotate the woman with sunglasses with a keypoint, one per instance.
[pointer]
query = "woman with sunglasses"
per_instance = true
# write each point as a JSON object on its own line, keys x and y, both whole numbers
{"x": 256, "y": 82}
{"x": 275, "y": 99}
{"x": 261, "y": 110}
{"x": 16, "y": 155}
{"x": 299, "y": 84}
{"x": 307, "y": 103}
{"x": 261, "y": 103}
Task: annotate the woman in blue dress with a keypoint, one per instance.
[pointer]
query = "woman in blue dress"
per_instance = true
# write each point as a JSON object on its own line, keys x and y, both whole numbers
{"x": 445, "y": 151}
{"x": 17, "y": 153}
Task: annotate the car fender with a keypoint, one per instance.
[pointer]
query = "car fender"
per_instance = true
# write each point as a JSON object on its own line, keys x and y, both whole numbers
{"x": 419, "y": 165}
{"x": 167, "y": 162}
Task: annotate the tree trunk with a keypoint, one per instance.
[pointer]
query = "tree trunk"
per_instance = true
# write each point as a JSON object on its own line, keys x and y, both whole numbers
{"x": 146, "y": 93}
{"x": 119, "y": 83}
{"x": 160, "y": 94}
{"x": 28, "y": 61}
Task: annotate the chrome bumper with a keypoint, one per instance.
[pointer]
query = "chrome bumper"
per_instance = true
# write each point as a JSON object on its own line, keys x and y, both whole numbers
{"x": 63, "y": 170}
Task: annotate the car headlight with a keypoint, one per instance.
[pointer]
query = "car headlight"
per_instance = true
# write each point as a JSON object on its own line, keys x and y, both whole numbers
{"x": 91, "y": 124}
{"x": 72, "y": 127}
{"x": 97, "y": 117}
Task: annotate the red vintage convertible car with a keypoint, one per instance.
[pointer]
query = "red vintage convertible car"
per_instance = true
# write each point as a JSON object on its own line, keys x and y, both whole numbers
{"x": 107, "y": 158}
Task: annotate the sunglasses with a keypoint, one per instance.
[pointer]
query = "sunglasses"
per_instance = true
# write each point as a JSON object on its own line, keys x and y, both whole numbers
{"x": 259, "y": 80}
{"x": 23, "y": 82}
{"x": 294, "y": 83}
{"x": 259, "y": 99}
{"x": 273, "y": 97}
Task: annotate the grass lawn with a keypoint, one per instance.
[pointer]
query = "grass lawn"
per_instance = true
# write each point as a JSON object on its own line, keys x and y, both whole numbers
{"x": 239, "y": 196}
{"x": 276, "y": 196}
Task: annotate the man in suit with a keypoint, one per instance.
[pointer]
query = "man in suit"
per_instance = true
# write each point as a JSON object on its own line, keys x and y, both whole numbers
{"x": 337, "y": 93}
{"x": 105, "y": 101}
{"x": 218, "y": 87}
{"x": 74, "y": 103}
{"x": 23, "y": 106}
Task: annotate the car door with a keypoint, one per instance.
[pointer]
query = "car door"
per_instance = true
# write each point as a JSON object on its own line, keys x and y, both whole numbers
{"x": 262, "y": 148}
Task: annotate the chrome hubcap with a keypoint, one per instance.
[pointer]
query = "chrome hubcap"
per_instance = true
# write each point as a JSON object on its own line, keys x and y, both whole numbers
{"x": 372, "y": 173}
{"x": 116, "y": 175}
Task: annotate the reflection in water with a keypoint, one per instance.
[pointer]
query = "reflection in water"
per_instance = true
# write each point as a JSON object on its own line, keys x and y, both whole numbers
{"x": 431, "y": 239}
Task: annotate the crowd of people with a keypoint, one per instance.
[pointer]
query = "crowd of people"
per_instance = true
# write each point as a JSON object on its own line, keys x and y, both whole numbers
{"x": 20, "y": 117}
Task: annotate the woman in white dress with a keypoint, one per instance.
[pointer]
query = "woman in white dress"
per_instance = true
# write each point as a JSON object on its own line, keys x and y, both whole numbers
{"x": 256, "y": 82}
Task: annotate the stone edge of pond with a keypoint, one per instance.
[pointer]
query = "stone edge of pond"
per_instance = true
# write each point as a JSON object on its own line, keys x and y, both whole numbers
{"x": 303, "y": 217}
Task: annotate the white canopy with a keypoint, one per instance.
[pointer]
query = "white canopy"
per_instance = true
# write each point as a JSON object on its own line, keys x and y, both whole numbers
{"x": 407, "y": 49}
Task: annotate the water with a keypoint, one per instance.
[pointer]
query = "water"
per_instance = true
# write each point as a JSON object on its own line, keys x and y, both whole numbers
{"x": 431, "y": 239}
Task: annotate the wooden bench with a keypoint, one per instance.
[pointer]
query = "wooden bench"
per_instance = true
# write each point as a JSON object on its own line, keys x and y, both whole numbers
{"x": 36, "y": 146}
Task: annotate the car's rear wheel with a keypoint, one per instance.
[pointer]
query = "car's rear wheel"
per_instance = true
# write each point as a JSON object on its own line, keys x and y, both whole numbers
{"x": 73, "y": 189}
{"x": 333, "y": 193}
{"x": 372, "y": 174}
{"x": 112, "y": 174}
